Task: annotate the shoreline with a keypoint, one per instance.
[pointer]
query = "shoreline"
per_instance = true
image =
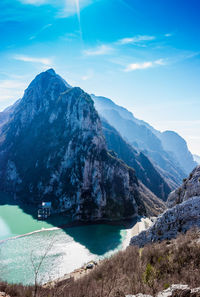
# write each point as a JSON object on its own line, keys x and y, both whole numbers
{"x": 132, "y": 227}
{"x": 141, "y": 225}
{"x": 138, "y": 227}
{"x": 124, "y": 223}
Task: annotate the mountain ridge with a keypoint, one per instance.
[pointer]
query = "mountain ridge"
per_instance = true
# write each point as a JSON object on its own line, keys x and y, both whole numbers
{"x": 144, "y": 169}
{"x": 52, "y": 149}
{"x": 148, "y": 140}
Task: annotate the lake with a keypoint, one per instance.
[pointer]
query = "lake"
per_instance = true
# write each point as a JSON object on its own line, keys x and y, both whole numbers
{"x": 68, "y": 248}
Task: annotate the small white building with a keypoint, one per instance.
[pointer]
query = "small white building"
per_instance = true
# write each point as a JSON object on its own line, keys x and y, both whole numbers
{"x": 44, "y": 210}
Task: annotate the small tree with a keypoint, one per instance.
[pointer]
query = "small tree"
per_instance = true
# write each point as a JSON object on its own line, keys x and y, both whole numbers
{"x": 36, "y": 267}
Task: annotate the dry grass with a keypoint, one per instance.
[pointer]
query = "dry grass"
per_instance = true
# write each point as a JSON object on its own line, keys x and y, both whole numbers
{"x": 147, "y": 270}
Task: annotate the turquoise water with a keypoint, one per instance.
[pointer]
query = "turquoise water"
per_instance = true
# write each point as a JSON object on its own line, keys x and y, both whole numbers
{"x": 68, "y": 248}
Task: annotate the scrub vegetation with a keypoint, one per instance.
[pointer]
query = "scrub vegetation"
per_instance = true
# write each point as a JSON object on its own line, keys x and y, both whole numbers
{"x": 148, "y": 270}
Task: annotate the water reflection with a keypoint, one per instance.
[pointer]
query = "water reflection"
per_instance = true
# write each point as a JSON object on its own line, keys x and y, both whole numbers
{"x": 73, "y": 246}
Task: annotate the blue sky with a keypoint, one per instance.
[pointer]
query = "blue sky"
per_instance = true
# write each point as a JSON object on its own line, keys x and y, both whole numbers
{"x": 143, "y": 54}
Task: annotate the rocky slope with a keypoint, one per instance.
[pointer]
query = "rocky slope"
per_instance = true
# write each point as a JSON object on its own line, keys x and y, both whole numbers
{"x": 189, "y": 188}
{"x": 52, "y": 149}
{"x": 162, "y": 148}
{"x": 183, "y": 214}
{"x": 175, "y": 220}
{"x": 176, "y": 290}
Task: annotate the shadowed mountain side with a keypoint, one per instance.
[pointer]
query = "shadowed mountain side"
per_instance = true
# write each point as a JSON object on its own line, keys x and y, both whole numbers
{"x": 53, "y": 149}
{"x": 153, "y": 205}
{"x": 143, "y": 137}
{"x": 144, "y": 169}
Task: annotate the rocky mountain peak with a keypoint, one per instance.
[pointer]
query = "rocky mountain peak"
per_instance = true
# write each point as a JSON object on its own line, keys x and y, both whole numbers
{"x": 50, "y": 71}
{"x": 47, "y": 83}
{"x": 190, "y": 188}
{"x": 41, "y": 96}
{"x": 53, "y": 149}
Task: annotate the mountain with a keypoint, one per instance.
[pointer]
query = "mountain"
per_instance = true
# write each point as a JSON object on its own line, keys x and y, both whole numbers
{"x": 145, "y": 171}
{"x": 190, "y": 188}
{"x": 183, "y": 214}
{"x": 174, "y": 143}
{"x": 52, "y": 148}
{"x": 161, "y": 148}
{"x": 196, "y": 158}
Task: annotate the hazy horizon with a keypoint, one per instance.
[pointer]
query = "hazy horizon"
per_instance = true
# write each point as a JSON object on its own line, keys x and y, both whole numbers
{"x": 144, "y": 55}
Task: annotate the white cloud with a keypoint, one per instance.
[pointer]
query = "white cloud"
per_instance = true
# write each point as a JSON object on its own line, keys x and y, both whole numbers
{"x": 64, "y": 8}
{"x": 136, "y": 39}
{"x": 144, "y": 65}
{"x": 11, "y": 84}
{"x": 160, "y": 62}
{"x": 168, "y": 35}
{"x": 100, "y": 50}
{"x": 44, "y": 61}
{"x": 10, "y": 91}
{"x": 34, "y": 2}
{"x": 41, "y": 30}
{"x": 89, "y": 74}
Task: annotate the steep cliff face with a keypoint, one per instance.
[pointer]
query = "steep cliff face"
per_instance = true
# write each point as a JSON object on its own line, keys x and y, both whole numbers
{"x": 183, "y": 214}
{"x": 175, "y": 220}
{"x": 189, "y": 188}
{"x": 52, "y": 149}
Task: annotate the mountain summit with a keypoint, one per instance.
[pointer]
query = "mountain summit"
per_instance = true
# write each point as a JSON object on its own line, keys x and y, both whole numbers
{"x": 52, "y": 149}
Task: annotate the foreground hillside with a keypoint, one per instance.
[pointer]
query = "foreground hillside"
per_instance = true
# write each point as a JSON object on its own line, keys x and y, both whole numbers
{"x": 183, "y": 214}
{"x": 149, "y": 270}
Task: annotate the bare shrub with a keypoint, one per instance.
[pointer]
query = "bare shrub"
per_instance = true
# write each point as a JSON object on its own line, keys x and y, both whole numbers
{"x": 147, "y": 270}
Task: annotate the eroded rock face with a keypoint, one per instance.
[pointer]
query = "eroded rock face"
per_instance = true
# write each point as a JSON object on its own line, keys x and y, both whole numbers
{"x": 3, "y": 294}
{"x": 52, "y": 149}
{"x": 183, "y": 214}
{"x": 189, "y": 188}
{"x": 176, "y": 290}
{"x": 175, "y": 220}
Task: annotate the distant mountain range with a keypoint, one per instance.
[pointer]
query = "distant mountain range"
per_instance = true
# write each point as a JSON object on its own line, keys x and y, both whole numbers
{"x": 104, "y": 164}
{"x": 166, "y": 150}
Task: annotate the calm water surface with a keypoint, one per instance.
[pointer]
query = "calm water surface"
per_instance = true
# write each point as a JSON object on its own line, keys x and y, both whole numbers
{"x": 70, "y": 247}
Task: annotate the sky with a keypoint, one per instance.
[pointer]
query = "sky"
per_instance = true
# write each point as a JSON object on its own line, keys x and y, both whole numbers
{"x": 142, "y": 54}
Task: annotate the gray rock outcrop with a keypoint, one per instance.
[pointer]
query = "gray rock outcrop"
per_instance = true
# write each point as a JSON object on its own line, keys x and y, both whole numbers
{"x": 189, "y": 188}
{"x": 176, "y": 290}
{"x": 173, "y": 221}
{"x": 183, "y": 214}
